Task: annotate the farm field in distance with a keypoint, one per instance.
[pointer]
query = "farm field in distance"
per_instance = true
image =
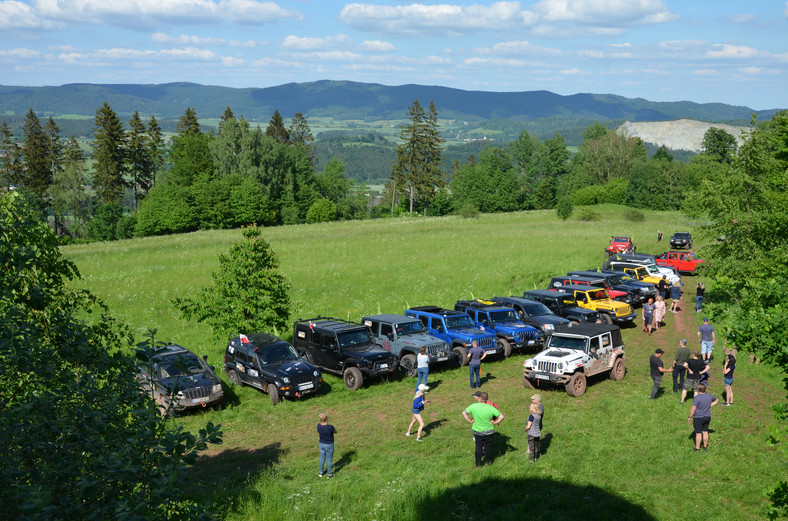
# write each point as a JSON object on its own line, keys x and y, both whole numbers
{"x": 609, "y": 454}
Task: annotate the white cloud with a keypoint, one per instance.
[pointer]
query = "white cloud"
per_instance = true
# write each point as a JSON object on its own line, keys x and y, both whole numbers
{"x": 591, "y": 53}
{"x": 724, "y": 50}
{"x": 143, "y": 13}
{"x": 329, "y": 55}
{"x": 18, "y": 15}
{"x": 115, "y": 54}
{"x": 785, "y": 12}
{"x": 518, "y": 47}
{"x": 20, "y": 53}
{"x": 377, "y": 46}
{"x": 742, "y": 18}
{"x": 310, "y": 44}
{"x": 606, "y": 13}
{"x": 231, "y": 61}
{"x": 570, "y": 72}
{"x": 497, "y": 62}
{"x": 185, "y": 39}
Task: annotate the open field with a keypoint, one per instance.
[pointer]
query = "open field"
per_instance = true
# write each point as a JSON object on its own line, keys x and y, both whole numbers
{"x": 610, "y": 454}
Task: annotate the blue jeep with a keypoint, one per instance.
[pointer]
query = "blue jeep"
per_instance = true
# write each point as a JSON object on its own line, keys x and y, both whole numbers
{"x": 454, "y": 328}
{"x": 501, "y": 320}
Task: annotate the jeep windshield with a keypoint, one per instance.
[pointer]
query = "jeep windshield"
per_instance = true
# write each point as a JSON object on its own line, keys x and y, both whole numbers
{"x": 458, "y": 321}
{"x": 652, "y": 268}
{"x": 621, "y": 239}
{"x": 567, "y": 301}
{"x": 566, "y": 342}
{"x": 350, "y": 339}
{"x": 180, "y": 367}
{"x": 410, "y": 328}
{"x": 278, "y": 354}
{"x": 613, "y": 280}
{"x": 598, "y": 295}
{"x": 499, "y": 317}
{"x": 535, "y": 309}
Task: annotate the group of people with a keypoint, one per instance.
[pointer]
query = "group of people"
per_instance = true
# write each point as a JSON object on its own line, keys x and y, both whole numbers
{"x": 696, "y": 366}
{"x": 654, "y": 311}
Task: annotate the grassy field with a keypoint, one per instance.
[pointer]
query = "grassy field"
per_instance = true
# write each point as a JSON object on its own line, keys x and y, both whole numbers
{"x": 610, "y": 454}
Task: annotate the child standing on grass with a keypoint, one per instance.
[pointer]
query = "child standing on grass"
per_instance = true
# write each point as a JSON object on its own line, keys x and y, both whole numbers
{"x": 325, "y": 444}
{"x": 418, "y": 406}
{"x": 534, "y": 431}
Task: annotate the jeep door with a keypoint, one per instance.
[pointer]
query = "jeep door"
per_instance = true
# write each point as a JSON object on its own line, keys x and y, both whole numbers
{"x": 329, "y": 352}
{"x": 242, "y": 363}
{"x": 600, "y": 350}
{"x": 437, "y": 327}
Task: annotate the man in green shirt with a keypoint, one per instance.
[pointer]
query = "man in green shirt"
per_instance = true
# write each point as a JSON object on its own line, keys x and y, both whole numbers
{"x": 482, "y": 416}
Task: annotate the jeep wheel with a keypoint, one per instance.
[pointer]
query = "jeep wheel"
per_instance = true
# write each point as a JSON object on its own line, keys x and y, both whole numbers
{"x": 607, "y": 319}
{"x": 527, "y": 383}
{"x": 273, "y": 394}
{"x": 576, "y": 385}
{"x": 233, "y": 376}
{"x": 505, "y": 347}
{"x": 461, "y": 356}
{"x": 618, "y": 371}
{"x": 408, "y": 365}
{"x": 353, "y": 378}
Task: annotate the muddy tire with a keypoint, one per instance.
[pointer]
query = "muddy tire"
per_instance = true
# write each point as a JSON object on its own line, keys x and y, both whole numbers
{"x": 273, "y": 394}
{"x": 607, "y": 319}
{"x": 353, "y": 378}
{"x": 234, "y": 378}
{"x": 505, "y": 347}
{"x": 408, "y": 365}
{"x": 618, "y": 371}
{"x": 461, "y": 355}
{"x": 576, "y": 385}
{"x": 527, "y": 383}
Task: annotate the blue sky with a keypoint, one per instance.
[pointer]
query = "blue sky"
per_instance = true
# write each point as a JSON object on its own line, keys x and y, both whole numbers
{"x": 662, "y": 50}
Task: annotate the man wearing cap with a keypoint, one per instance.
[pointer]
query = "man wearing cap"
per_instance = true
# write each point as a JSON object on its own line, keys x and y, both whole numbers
{"x": 657, "y": 369}
{"x": 484, "y": 418}
{"x": 707, "y": 339}
{"x": 682, "y": 355}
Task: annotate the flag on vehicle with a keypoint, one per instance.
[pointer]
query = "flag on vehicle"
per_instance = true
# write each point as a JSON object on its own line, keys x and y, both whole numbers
{"x": 244, "y": 338}
{"x": 311, "y": 325}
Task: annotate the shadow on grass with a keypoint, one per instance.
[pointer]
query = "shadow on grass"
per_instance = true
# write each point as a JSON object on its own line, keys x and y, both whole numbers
{"x": 428, "y": 428}
{"x": 486, "y": 378}
{"x": 532, "y": 498}
{"x": 545, "y": 442}
{"x": 224, "y": 473}
{"x": 344, "y": 460}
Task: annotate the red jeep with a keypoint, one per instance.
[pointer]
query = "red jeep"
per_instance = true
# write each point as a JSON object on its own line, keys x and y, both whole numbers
{"x": 619, "y": 244}
{"x": 680, "y": 261}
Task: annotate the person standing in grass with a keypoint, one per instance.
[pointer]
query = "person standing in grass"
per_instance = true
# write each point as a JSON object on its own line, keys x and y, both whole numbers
{"x": 648, "y": 316}
{"x": 659, "y": 311}
{"x": 707, "y": 338}
{"x": 682, "y": 355}
{"x": 657, "y": 368}
{"x": 700, "y": 416}
{"x": 695, "y": 369}
{"x": 418, "y": 406}
{"x": 422, "y": 367}
{"x": 727, "y": 374}
{"x": 700, "y": 291}
{"x": 325, "y": 444}
{"x": 533, "y": 428}
{"x": 475, "y": 356}
{"x": 675, "y": 296}
{"x": 483, "y": 417}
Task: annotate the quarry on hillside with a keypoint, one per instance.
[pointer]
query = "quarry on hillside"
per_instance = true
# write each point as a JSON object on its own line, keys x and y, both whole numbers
{"x": 680, "y": 134}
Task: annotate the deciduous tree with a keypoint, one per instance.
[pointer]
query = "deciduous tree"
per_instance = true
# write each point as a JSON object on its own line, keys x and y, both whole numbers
{"x": 719, "y": 145}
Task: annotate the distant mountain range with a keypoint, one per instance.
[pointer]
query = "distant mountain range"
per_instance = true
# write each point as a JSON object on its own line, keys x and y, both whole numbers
{"x": 360, "y": 101}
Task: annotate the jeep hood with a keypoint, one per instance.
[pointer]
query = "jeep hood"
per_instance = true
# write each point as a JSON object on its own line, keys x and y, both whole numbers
{"x": 290, "y": 368}
{"x": 559, "y": 354}
{"x": 184, "y": 383}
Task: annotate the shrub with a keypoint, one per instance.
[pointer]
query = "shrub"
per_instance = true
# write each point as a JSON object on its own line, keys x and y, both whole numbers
{"x": 321, "y": 211}
{"x": 587, "y": 214}
{"x": 565, "y": 208}
{"x": 633, "y": 215}
{"x": 125, "y": 227}
{"x": 588, "y": 195}
{"x": 166, "y": 209}
{"x": 104, "y": 223}
{"x": 468, "y": 211}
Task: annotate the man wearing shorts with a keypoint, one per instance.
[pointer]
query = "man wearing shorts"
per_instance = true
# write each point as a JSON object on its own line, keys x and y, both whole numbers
{"x": 700, "y": 416}
{"x": 695, "y": 369}
{"x": 707, "y": 339}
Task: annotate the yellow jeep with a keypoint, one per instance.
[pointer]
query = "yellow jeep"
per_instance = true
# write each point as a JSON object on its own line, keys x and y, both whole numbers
{"x": 590, "y": 297}
{"x": 642, "y": 274}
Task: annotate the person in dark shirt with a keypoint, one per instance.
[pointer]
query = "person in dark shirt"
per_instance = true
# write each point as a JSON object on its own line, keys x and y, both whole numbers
{"x": 657, "y": 368}
{"x": 700, "y": 416}
{"x": 475, "y": 356}
{"x": 325, "y": 443}
{"x": 695, "y": 370}
{"x": 663, "y": 286}
{"x": 679, "y": 371}
{"x": 727, "y": 374}
{"x": 700, "y": 291}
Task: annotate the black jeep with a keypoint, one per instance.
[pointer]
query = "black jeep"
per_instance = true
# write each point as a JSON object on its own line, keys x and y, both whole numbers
{"x": 342, "y": 347}
{"x": 681, "y": 240}
{"x": 534, "y": 314}
{"x": 270, "y": 364}
{"x": 177, "y": 379}
{"x": 563, "y": 305}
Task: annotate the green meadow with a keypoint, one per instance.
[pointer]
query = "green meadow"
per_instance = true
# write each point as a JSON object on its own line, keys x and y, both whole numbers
{"x": 610, "y": 454}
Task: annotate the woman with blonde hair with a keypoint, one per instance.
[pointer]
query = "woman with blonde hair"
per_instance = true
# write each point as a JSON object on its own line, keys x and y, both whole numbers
{"x": 659, "y": 311}
{"x": 418, "y": 406}
{"x": 325, "y": 443}
{"x": 533, "y": 429}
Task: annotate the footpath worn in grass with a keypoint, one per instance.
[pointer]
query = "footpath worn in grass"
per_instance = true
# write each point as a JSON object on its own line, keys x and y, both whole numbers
{"x": 610, "y": 454}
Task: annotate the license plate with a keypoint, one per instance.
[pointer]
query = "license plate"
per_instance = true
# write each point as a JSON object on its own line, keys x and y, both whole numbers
{"x": 305, "y": 386}
{"x": 443, "y": 358}
{"x": 543, "y": 376}
{"x": 531, "y": 342}
{"x": 199, "y": 400}
{"x": 492, "y": 351}
{"x": 384, "y": 366}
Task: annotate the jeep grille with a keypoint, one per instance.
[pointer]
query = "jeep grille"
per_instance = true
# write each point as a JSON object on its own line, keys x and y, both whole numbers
{"x": 547, "y": 367}
{"x": 301, "y": 378}
{"x": 486, "y": 342}
{"x": 436, "y": 349}
{"x": 624, "y": 310}
{"x": 522, "y": 336}
{"x": 197, "y": 392}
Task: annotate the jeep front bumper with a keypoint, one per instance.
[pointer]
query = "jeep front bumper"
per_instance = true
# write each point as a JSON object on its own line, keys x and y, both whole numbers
{"x": 547, "y": 377}
{"x": 623, "y": 318}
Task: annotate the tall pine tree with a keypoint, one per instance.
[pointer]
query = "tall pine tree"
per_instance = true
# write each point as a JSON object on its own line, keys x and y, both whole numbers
{"x": 109, "y": 153}
{"x": 188, "y": 124}
{"x": 140, "y": 166}
{"x": 276, "y": 129}
{"x": 10, "y": 158}
{"x": 155, "y": 149}
{"x": 37, "y": 175}
{"x": 70, "y": 198}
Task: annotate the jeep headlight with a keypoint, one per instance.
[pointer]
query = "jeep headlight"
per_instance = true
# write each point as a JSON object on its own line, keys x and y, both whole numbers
{"x": 315, "y": 373}
{"x": 286, "y": 380}
{"x": 217, "y": 388}
{"x": 549, "y": 327}
{"x": 561, "y": 366}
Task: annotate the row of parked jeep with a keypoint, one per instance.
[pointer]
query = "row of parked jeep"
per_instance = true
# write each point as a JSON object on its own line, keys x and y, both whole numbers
{"x": 379, "y": 345}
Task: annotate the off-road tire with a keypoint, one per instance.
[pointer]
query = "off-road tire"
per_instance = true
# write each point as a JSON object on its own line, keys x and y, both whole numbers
{"x": 527, "y": 383}
{"x": 576, "y": 385}
{"x": 353, "y": 378}
{"x": 505, "y": 347}
{"x": 461, "y": 355}
{"x": 607, "y": 319}
{"x": 273, "y": 394}
{"x": 234, "y": 378}
{"x": 619, "y": 370}
{"x": 408, "y": 364}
